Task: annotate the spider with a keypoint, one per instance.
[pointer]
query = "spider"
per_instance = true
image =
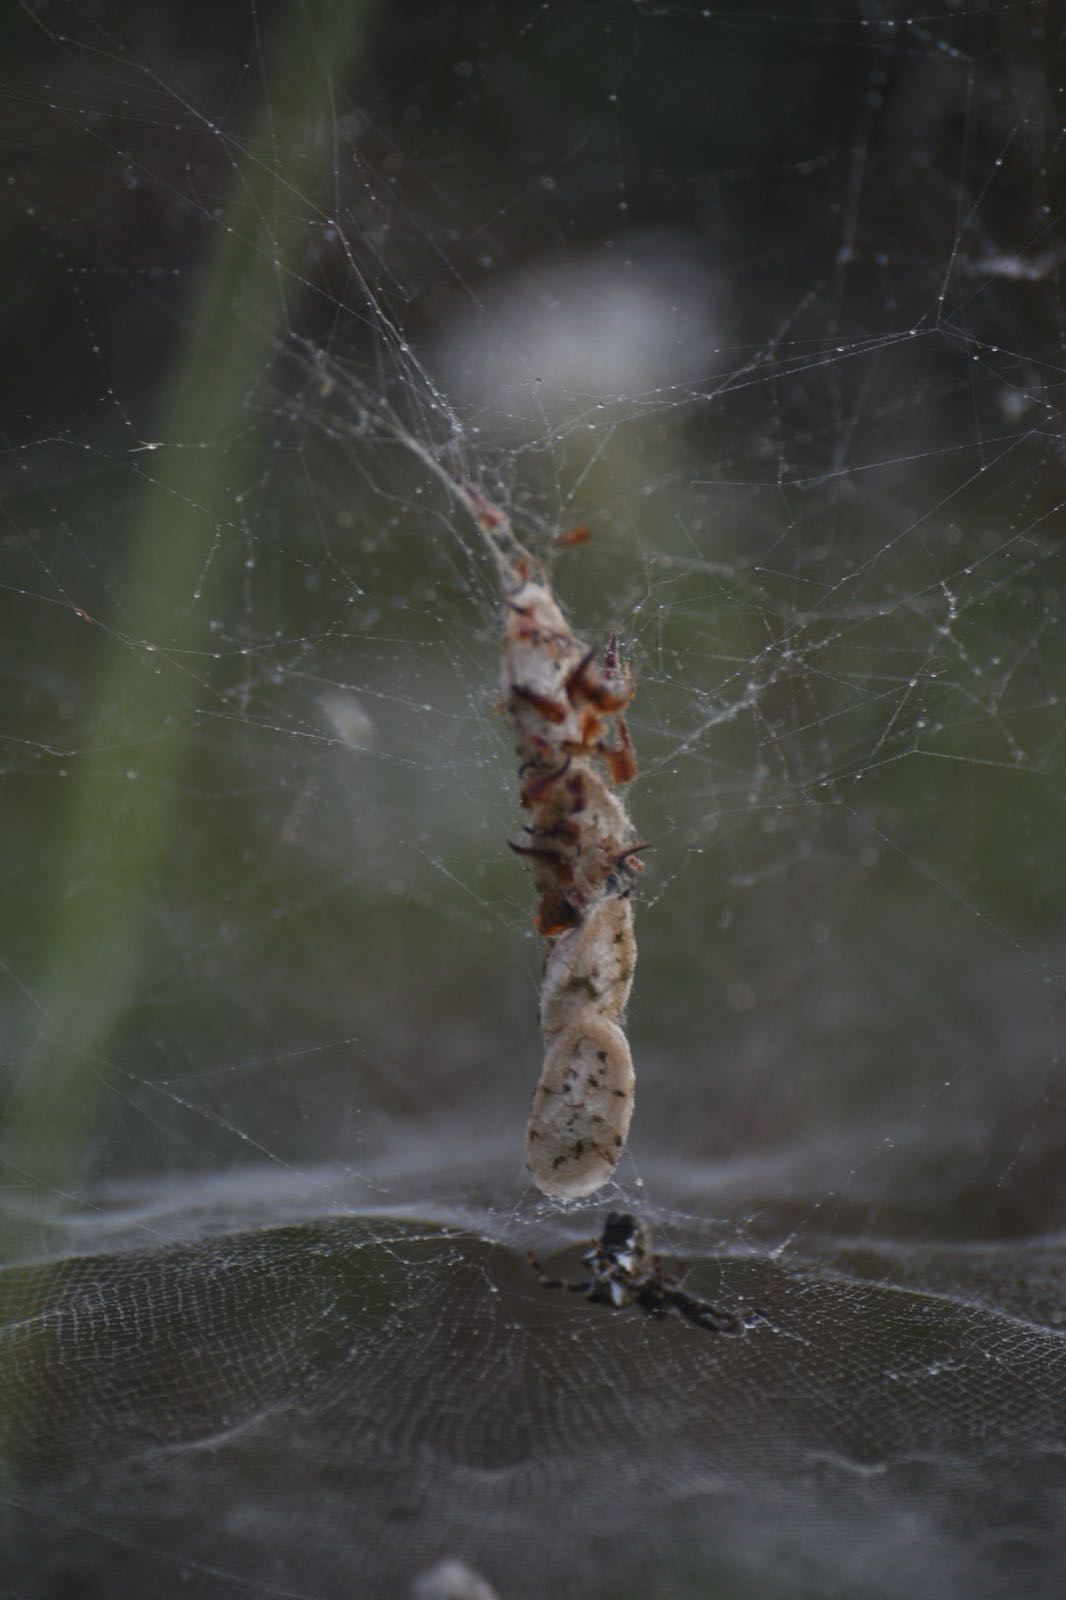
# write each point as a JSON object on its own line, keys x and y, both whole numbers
{"x": 623, "y": 1270}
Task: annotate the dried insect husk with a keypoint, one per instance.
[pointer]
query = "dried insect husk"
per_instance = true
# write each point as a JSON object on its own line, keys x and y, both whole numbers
{"x": 580, "y": 848}
{"x": 589, "y": 972}
{"x": 581, "y": 1110}
{"x": 574, "y": 754}
{"x": 584, "y": 1100}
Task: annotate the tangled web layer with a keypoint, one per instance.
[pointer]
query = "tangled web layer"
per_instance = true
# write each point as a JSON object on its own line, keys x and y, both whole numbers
{"x": 329, "y": 1406}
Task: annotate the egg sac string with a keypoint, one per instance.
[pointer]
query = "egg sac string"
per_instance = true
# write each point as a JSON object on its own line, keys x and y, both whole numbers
{"x": 575, "y": 756}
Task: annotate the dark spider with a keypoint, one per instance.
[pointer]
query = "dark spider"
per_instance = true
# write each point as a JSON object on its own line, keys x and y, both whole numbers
{"x": 623, "y": 1270}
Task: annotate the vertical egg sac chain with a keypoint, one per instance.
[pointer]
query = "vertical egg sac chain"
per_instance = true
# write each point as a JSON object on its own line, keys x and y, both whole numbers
{"x": 582, "y": 852}
{"x": 574, "y": 756}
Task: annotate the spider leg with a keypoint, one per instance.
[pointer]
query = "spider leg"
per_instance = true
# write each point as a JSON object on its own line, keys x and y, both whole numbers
{"x": 704, "y": 1315}
{"x": 555, "y": 1283}
{"x": 653, "y": 1300}
{"x": 545, "y": 1281}
{"x": 671, "y": 1279}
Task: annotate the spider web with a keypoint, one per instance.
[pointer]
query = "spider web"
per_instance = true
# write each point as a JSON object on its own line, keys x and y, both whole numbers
{"x": 770, "y": 302}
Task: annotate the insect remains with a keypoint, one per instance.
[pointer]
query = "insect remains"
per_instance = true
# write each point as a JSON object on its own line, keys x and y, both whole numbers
{"x": 575, "y": 757}
{"x": 623, "y": 1271}
{"x": 575, "y": 754}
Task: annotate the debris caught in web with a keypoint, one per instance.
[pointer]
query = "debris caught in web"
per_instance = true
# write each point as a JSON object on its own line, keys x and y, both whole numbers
{"x": 575, "y": 757}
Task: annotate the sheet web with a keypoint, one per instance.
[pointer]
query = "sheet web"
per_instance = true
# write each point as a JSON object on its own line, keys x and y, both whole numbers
{"x": 269, "y": 1326}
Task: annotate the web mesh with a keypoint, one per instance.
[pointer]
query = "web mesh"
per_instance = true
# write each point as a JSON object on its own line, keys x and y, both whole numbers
{"x": 770, "y": 302}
